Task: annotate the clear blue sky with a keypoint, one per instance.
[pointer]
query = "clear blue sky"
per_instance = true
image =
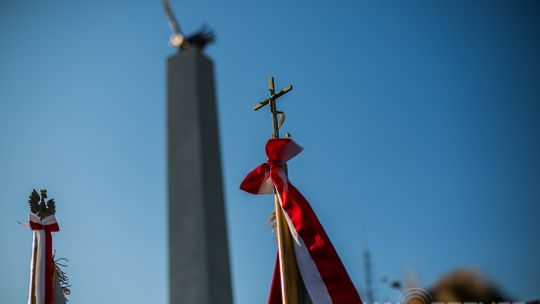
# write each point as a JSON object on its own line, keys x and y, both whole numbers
{"x": 420, "y": 122}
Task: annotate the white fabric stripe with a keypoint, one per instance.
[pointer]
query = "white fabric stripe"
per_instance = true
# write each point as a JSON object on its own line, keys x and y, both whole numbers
{"x": 32, "y": 266}
{"x": 40, "y": 267}
{"x": 51, "y": 219}
{"x": 308, "y": 270}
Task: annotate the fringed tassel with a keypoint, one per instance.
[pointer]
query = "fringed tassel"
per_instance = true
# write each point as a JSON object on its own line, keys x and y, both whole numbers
{"x": 272, "y": 223}
{"x": 61, "y": 276}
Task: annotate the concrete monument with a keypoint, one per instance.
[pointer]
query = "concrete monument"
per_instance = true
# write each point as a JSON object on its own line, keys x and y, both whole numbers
{"x": 198, "y": 249}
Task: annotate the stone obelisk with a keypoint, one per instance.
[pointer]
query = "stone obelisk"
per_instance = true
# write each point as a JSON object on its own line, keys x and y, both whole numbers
{"x": 198, "y": 252}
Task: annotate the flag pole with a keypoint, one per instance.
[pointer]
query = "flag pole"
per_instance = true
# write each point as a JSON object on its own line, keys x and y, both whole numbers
{"x": 290, "y": 278}
{"x": 303, "y": 246}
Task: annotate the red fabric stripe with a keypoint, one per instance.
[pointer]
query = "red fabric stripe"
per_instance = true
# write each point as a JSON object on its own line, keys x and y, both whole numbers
{"x": 50, "y": 227}
{"x": 49, "y": 265}
{"x": 275, "y": 288}
{"x": 334, "y": 275}
{"x": 281, "y": 150}
{"x": 320, "y": 248}
{"x": 253, "y": 181}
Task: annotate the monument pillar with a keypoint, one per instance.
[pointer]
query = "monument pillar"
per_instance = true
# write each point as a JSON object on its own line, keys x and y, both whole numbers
{"x": 198, "y": 249}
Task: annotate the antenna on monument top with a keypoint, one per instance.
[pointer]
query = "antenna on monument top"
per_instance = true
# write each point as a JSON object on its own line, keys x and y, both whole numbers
{"x": 200, "y": 39}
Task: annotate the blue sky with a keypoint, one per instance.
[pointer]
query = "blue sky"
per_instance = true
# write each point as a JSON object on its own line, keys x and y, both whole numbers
{"x": 420, "y": 122}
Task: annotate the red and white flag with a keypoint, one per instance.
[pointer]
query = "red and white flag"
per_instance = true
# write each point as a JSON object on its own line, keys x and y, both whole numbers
{"x": 42, "y": 264}
{"x": 324, "y": 276}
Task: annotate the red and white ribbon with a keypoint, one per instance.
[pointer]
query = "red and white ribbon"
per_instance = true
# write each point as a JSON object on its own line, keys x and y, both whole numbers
{"x": 42, "y": 270}
{"x": 322, "y": 271}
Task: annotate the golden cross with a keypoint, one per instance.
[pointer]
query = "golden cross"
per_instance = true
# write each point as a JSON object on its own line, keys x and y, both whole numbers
{"x": 272, "y": 101}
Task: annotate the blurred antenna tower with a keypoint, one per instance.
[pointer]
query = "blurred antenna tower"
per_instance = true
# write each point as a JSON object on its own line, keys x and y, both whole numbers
{"x": 368, "y": 277}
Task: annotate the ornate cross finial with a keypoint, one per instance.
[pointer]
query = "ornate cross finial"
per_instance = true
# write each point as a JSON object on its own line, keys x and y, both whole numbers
{"x": 273, "y": 109}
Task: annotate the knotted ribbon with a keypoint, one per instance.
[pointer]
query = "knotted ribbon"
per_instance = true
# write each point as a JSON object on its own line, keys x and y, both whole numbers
{"x": 320, "y": 267}
{"x": 41, "y": 273}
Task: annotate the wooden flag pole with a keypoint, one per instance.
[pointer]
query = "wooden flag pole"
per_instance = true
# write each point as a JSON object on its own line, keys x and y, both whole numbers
{"x": 290, "y": 278}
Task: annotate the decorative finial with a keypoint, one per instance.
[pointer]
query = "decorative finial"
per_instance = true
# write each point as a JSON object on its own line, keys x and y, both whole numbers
{"x": 39, "y": 206}
{"x": 43, "y": 194}
{"x": 273, "y": 109}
